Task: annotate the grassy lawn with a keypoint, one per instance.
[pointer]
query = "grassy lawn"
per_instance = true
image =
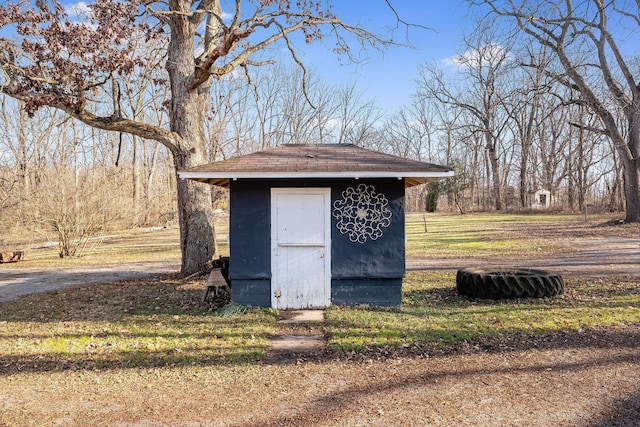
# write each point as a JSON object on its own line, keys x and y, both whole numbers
{"x": 160, "y": 322}
{"x": 433, "y": 316}
{"x": 481, "y": 234}
{"x": 143, "y": 323}
{"x": 156, "y": 244}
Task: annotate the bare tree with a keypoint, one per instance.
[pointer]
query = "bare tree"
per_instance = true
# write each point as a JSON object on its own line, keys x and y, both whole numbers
{"x": 524, "y": 104}
{"x": 483, "y": 66}
{"x": 271, "y": 108}
{"x": 27, "y": 141}
{"x": 355, "y": 116}
{"x": 472, "y": 148}
{"x": 593, "y": 63}
{"x": 140, "y": 97}
{"x": 551, "y": 150}
{"x": 267, "y": 92}
{"x": 411, "y": 131}
{"x": 60, "y": 62}
{"x": 302, "y": 121}
{"x": 587, "y": 155}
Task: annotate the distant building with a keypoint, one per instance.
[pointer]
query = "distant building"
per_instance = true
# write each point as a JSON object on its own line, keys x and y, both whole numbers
{"x": 541, "y": 199}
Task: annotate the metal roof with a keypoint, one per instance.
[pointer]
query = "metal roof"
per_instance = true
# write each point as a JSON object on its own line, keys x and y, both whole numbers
{"x": 317, "y": 161}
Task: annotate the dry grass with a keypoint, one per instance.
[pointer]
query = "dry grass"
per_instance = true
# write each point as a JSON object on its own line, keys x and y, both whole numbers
{"x": 434, "y": 318}
{"x": 141, "y": 323}
{"x": 124, "y": 246}
{"x": 509, "y": 236}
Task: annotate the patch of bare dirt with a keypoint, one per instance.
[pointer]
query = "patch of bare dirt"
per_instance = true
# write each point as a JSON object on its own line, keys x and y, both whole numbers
{"x": 588, "y": 380}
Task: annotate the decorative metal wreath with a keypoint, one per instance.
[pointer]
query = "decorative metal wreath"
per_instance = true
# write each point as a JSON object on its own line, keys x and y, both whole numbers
{"x": 362, "y": 213}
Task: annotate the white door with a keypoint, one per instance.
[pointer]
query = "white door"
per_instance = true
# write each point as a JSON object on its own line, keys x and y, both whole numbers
{"x": 300, "y": 248}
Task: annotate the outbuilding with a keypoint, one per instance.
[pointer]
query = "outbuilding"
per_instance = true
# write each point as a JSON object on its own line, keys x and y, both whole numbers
{"x": 541, "y": 199}
{"x": 315, "y": 225}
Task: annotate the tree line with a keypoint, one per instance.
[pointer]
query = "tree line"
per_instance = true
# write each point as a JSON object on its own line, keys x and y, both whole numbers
{"x": 541, "y": 96}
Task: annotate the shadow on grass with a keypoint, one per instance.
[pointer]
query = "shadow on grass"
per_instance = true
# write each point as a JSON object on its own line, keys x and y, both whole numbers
{"x": 489, "y": 307}
{"x": 113, "y": 360}
{"x": 403, "y": 342}
{"x": 129, "y": 324}
{"x": 161, "y": 322}
{"x": 112, "y": 301}
{"x": 437, "y": 320}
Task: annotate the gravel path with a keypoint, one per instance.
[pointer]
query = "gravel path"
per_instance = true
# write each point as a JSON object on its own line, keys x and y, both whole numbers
{"x": 16, "y": 281}
{"x": 593, "y": 257}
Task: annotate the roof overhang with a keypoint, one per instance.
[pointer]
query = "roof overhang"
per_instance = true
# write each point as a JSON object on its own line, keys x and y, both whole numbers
{"x": 223, "y": 179}
{"x": 317, "y": 161}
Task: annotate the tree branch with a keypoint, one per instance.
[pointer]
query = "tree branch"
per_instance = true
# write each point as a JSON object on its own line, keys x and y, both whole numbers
{"x": 232, "y": 35}
{"x": 111, "y": 123}
{"x": 589, "y": 128}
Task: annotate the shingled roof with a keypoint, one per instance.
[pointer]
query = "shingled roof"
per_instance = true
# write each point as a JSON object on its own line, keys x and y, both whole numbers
{"x": 317, "y": 161}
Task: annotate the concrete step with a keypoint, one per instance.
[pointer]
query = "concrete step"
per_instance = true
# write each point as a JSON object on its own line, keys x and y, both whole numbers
{"x": 311, "y": 342}
{"x": 301, "y": 316}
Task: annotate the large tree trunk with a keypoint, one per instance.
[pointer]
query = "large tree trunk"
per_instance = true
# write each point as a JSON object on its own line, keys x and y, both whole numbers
{"x": 196, "y": 221}
{"x": 632, "y": 189}
{"x": 629, "y": 151}
{"x": 632, "y": 165}
{"x": 187, "y": 119}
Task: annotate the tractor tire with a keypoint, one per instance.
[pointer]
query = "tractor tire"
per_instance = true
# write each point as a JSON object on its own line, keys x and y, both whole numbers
{"x": 508, "y": 283}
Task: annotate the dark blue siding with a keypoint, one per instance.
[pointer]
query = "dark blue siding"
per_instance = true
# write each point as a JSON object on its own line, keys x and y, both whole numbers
{"x": 249, "y": 231}
{"x": 374, "y": 259}
{"x": 256, "y": 293}
{"x": 362, "y": 273}
{"x": 374, "y": 292}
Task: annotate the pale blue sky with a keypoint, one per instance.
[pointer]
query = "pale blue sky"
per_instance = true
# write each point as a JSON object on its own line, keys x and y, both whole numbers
{"x": 390, "y": 77}
{"x": 387, "y": 77}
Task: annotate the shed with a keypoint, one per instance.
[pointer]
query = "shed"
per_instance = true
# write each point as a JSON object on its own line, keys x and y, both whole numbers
{"x": 315, "y": 225}
{"x": 541, "y": 199}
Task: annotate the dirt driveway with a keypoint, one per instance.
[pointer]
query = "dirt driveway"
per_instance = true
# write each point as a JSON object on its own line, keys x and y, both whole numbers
{"x": 559, "y": 385}
{"x": 593, "y": 257}
{"x": 587, "y": 257}
{"x": 16, "y": 281}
